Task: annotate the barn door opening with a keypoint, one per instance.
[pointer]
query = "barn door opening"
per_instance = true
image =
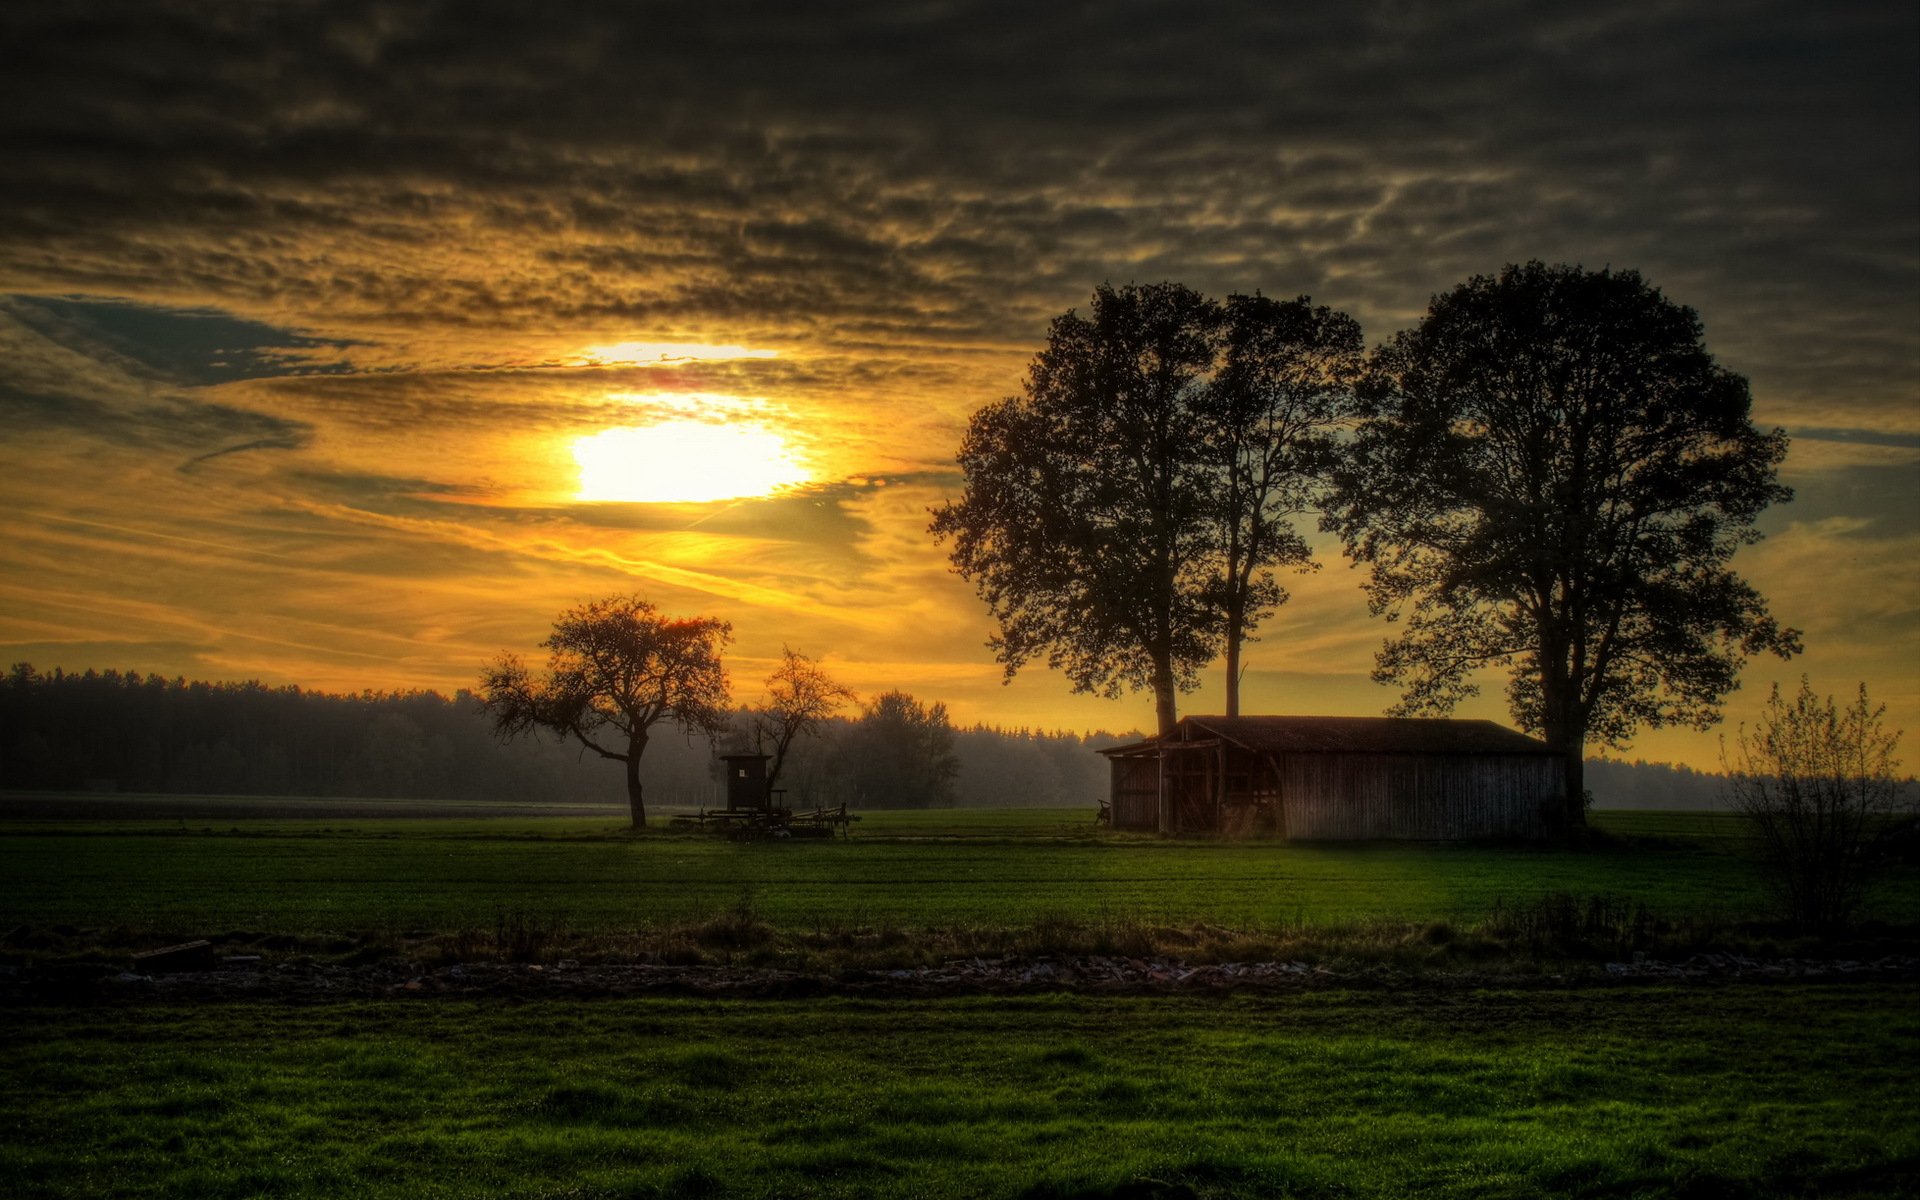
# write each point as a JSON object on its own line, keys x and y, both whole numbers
{"x": 1193, "y": 788}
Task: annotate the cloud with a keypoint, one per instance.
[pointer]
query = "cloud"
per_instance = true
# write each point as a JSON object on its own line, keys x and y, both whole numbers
{"x": 62, "y": 380}
{"x": 971, "y": 169}
{"x": 333, "y": 268}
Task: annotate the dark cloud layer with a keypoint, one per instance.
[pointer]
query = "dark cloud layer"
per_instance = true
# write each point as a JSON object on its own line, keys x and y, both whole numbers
{"x": 179, "y": 346}
{"x": 85, "y": 370}
{"x": 959, "y": 172}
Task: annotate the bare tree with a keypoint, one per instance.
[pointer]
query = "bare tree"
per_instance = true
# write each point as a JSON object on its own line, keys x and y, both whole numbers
{"x": 801, "y": 697}
{"x": 1818, "y": 783}
{"x": 617, "y": 668}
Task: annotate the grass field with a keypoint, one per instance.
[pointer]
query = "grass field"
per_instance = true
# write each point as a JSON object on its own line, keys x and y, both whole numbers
{"x": 1754, "y": 1091}
{"x": 1445, "y": 1088}
{"x": 951, "y": 869}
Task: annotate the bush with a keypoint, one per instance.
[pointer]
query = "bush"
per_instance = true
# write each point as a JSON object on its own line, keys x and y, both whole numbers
{"x": 1818, "y": 784}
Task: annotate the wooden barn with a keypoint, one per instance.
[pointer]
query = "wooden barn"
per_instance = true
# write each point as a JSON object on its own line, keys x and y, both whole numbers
{"x": 1337, "y": 778}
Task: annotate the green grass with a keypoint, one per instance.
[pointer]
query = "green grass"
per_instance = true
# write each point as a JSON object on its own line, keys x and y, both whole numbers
{"x": 911, "y": 870}
{"x": 1754, "y": 1091}
{"x": 1699, "y": 1091}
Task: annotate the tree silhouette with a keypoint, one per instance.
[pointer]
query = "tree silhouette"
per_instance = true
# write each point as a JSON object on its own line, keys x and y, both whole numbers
{"x": 1082, "y": 524}
{"x": 1268, "y": 421}
{"x": 617, "y": 668}
{"x": 1552, "y": 475}
{"x": 1122, "y": 515}
{"x": 801, "y": 697}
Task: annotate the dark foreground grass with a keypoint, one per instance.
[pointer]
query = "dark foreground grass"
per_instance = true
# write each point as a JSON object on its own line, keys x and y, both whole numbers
{"x": 1695, "y": 1092}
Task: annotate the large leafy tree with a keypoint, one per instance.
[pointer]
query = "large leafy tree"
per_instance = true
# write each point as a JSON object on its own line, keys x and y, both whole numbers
{"x": 1552, "y": 476}
{"x": 1122, "y": 515}
{"x": 615, "y": 669}
{"x": 1083, "y": 521}
{"x": 1267, "y": 422}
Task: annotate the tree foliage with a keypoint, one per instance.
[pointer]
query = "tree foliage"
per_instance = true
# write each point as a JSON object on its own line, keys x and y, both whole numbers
{"x": 1122, "y": 515}
{"x": 1818, "y": 782}
{"x": 1551, "y": 476}
{"x": 1267, "y": 421}
{"x": 615, "y": 669}
{"x": 801, "y": 698}
{"x": 899, "y": 754}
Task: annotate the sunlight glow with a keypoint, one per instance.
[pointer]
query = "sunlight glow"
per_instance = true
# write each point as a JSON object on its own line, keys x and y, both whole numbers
{"x": 642, "y": 354}
{"x": 686, "y": 462}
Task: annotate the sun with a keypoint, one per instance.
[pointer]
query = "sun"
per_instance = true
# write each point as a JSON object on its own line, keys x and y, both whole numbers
{"x": 685, "y": 462}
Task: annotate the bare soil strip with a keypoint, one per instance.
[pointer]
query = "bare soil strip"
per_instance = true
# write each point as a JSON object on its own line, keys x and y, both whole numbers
{"x": 102, "y": 982}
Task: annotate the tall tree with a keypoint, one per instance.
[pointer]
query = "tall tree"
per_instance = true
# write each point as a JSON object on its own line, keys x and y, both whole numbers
{"x": 1268, "y": 422}
{"x": 1552, "y": 475}
{"x": 616, "y": 668}
{"x": 1122, "y": 516}
{"x": 801, "y": 697}
{"x": 1082, "y": 523}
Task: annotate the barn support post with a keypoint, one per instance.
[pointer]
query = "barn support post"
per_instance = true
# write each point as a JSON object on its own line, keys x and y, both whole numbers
{"x": 1166, "y": 794}
{"x": 1220, "y": 785}
{"x": 1279, "y": 796}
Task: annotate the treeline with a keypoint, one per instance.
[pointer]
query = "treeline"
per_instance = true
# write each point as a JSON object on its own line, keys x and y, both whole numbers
{"x": 1618, "y": 784}
{"x": 129, "y": 732}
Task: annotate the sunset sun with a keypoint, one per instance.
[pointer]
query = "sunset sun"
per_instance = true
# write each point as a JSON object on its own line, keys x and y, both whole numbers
{"x": 684, "y": 462}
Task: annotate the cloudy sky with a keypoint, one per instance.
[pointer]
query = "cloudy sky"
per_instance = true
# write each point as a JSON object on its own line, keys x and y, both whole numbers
{"x": 325, "y": 329}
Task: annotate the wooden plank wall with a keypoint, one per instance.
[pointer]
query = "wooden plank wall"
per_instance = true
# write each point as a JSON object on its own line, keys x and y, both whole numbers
{"x": 1331, "y": 797}
{"x": 1136, "y": 793}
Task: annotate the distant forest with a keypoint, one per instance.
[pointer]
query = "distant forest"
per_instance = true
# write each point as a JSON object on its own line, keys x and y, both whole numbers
{"x": 128, "y": 732}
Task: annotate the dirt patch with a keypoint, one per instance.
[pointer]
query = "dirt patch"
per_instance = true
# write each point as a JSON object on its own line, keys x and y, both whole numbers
{"x": 109, "y": 982}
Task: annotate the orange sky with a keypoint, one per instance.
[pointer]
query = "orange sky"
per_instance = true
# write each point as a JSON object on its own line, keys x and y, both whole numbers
{"x": 309, "y": 320}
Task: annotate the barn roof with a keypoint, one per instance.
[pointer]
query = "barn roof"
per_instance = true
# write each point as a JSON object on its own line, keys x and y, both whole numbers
{"x": 1351, "y": 735}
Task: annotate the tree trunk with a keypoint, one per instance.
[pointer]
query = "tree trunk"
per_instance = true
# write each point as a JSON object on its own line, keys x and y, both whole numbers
{"x": 1576, "y": 760}
{"x": 636, "y": 746}
{"x": 1233, "y": 661}
{"x": 1565, "y": 730}
{"x": 1163, "y": 694}
{"x": 1572, "y": 747}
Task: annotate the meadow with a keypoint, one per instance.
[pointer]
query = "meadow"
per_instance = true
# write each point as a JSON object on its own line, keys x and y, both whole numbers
{"x": 908, "y": 870}
{"x": 1494, "y": 1082}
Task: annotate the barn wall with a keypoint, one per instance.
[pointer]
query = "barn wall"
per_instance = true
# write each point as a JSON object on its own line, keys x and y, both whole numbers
{"x": 1136, "y": 793}
{"x": 1330, "y": 797}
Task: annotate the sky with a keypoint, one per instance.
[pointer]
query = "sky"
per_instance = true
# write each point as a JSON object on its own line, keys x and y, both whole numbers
{"x": 346, "y": 344}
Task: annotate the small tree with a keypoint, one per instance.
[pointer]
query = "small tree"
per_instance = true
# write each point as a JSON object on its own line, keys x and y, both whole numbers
{"x": 801, "y": 697}
{"x": 1818, "y": 784}
{"x": 617, "y": 668}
